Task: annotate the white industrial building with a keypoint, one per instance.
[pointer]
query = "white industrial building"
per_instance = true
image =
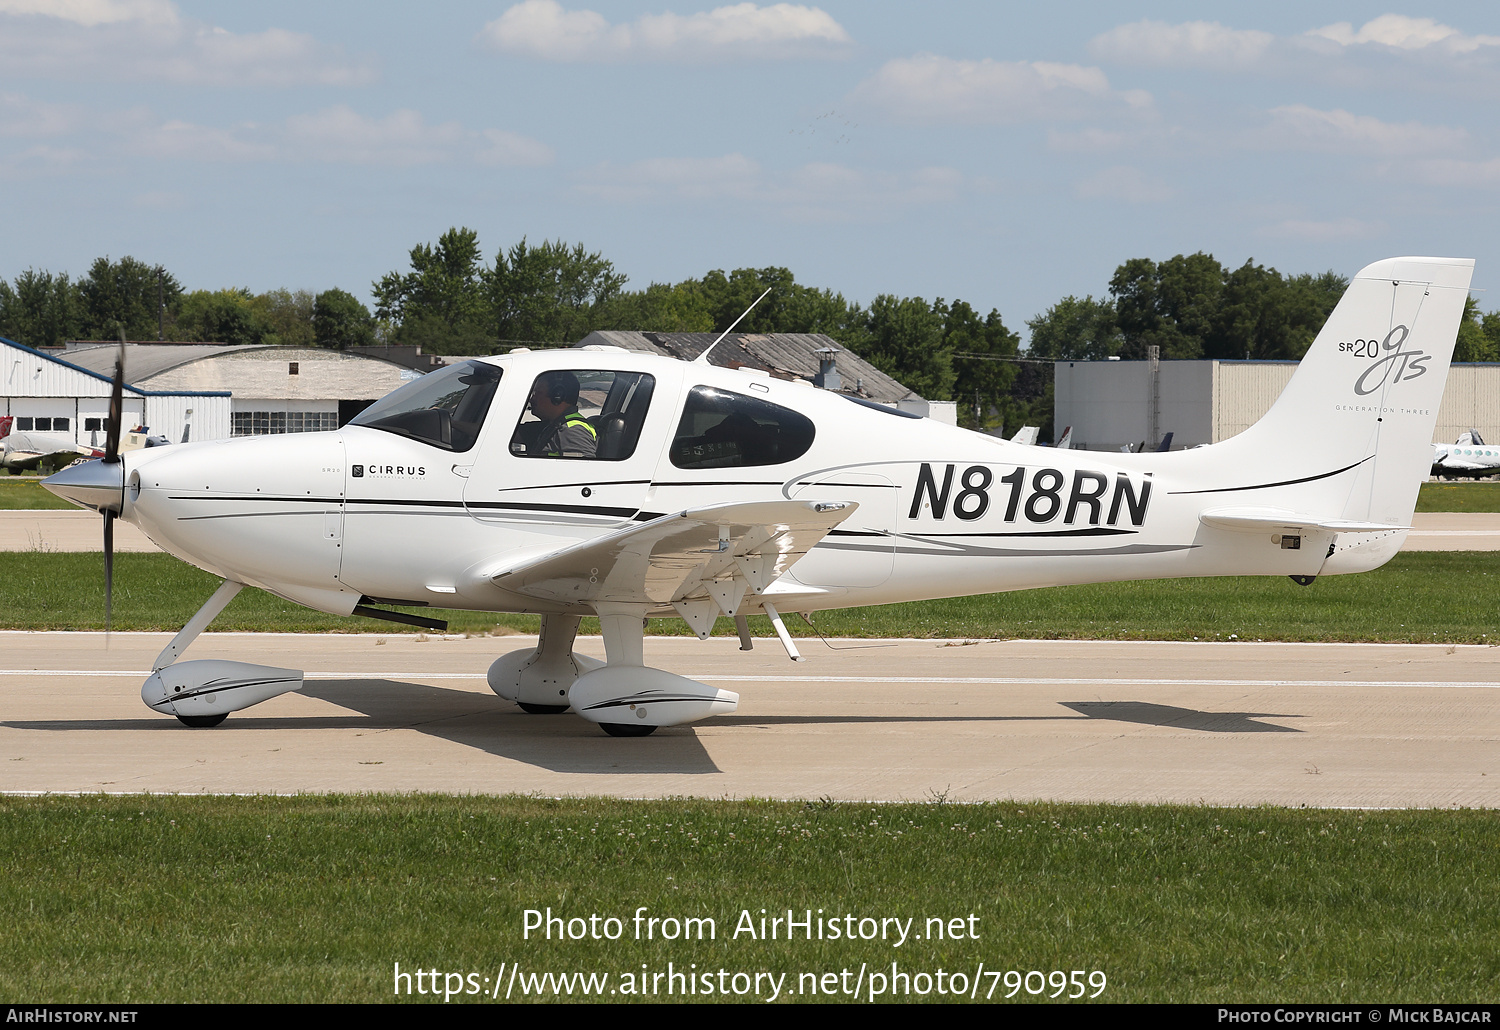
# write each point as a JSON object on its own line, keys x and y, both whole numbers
{"x": 51, "y": 395}
{"x": 1111, "y": 404}
{"x": 195, "y": 391}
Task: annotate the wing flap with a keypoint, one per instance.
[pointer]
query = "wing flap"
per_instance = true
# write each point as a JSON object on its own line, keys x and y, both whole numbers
{"x": 693, "y": 554}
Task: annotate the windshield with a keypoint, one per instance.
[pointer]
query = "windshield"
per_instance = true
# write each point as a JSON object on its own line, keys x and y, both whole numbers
{"x": 444, "y": 408}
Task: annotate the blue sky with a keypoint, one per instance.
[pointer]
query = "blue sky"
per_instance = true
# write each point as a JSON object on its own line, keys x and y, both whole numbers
{"x": 1004, "y": 154}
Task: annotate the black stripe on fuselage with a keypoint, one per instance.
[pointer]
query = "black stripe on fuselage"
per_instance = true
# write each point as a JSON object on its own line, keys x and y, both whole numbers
{"x": 1267, "y": 486}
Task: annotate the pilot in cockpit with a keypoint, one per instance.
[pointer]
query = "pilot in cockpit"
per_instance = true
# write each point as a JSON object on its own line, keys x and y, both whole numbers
{"x": 562, "y": 432}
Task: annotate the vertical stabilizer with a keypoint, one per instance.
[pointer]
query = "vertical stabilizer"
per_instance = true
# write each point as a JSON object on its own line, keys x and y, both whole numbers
{"x": 1356, "y": 421}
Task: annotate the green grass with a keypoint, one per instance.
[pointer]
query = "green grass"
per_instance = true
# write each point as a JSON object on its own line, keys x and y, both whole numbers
{"x": 315, "y": 899}
{"x": 1459, "y": 497}
{"x": 28, "y": 494}
{"x": 1433, "y": 596}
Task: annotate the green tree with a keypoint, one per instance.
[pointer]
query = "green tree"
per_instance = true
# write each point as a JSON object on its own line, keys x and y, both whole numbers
{"x": 1170, "y": 305}
{"x": 660, "y": 307}
{"x": 1073, "y": 329}
{"x": 42, "y": 310}
{"x": 551, "y": 293}
{"x": 981, "y": 383}
{"x": 221, "y": 316}
{"x": 289, "y": 313}
{"x": 1474, "y": 344}
{"x": 441, "y": 304}
{"x": 906, "y": 342}
{"x": 1491, "y": 327}
{"x": 123, "y": 295}
{"x": 339, "y": 320}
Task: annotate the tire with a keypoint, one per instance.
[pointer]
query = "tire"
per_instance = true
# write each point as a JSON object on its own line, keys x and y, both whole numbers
{"x": 530, "y": 709}
{"x": 627, "y": 729}
{"x": 202, "y": 722}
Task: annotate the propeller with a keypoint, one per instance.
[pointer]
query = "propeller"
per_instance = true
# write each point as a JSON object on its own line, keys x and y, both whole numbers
{"x": 112, "y": 457}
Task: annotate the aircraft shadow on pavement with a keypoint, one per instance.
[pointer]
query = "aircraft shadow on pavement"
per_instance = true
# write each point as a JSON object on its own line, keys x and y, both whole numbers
{"x": 560, "y": 743}
{"x": 1149, "y": 714}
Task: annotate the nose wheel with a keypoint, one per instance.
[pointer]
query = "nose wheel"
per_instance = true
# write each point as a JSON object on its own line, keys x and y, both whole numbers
{"x": 202, "y": 721}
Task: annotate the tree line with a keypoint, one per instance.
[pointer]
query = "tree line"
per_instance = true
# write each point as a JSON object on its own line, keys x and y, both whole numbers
{"x": 451, "y": 300}
{"x": 43, "y": 309}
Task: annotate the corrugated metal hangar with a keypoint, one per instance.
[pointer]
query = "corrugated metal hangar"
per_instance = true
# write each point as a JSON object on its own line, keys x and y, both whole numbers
{"x": 193, "y": 391}
{"x": 1111, "y": 404}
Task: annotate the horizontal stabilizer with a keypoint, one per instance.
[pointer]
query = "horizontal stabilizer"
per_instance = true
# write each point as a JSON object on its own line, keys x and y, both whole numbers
{"x": 1260, "y": 520}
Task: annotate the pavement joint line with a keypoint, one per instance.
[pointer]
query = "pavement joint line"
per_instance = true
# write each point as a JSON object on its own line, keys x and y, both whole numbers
{"x": 1041, "y": 681}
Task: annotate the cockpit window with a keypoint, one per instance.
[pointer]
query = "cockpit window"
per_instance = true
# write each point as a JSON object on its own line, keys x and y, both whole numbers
{"x": 444, "y": 408}
{"x": 720, "y": 429}
{"x": 593, "y": 414}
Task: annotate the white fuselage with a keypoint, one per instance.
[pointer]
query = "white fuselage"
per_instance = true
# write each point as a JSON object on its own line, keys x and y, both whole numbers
{"x": 326, "y": 519}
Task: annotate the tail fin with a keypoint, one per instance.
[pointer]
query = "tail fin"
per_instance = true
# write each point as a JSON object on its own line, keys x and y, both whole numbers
{"x": 1165, "y": 445}
{"x": 1353, "y": 429}
{"x": 5, "y": 424}
{"x": 1066, "y": 441}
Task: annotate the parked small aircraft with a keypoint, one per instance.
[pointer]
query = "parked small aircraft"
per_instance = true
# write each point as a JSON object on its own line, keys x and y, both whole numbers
{"x": 1468, "y": 457}
{"x": 597, "y": 481}
{"x": 22, "y": 450}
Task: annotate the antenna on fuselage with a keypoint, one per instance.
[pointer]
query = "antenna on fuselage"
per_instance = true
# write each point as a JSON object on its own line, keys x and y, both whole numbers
{"x": 704, "y": 356}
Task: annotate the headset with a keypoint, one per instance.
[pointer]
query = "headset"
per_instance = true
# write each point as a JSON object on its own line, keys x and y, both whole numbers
{"x": 561, "y": 387}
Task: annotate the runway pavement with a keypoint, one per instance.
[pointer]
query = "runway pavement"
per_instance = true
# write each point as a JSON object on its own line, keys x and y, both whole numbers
{"x": 59, "y": 530}
{"x": 1220, "y": 724}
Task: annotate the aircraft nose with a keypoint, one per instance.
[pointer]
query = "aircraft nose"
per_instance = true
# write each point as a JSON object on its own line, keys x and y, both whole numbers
{"x": 93, "y": 484}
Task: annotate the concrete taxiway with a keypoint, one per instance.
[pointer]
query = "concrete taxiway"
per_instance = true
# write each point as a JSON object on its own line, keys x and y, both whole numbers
{"x": 58, "y": 530}
{"x": 1220, "y": 724}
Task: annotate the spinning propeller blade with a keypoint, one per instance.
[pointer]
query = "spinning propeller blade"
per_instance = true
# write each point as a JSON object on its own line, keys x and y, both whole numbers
{"x": 112, "y": 457}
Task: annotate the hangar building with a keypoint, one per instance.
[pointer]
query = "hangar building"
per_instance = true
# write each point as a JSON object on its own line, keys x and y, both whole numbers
{"x": 1111, "y": 404}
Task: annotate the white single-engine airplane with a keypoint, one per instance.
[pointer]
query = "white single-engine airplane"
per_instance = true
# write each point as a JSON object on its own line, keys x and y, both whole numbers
{"x": 601, "y": 482}
{"x": 1469, "y": 457}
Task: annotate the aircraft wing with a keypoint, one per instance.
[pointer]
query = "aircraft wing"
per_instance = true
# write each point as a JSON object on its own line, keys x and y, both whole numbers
{"x": 703, "y": 555}
{"x": 1258, "y": 520}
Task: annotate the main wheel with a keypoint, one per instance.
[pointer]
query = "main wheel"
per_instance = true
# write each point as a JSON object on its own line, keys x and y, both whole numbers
{"x": 531, "y": 709}
{"x": 627, "y": 729}
{"x": 202, "y": 721}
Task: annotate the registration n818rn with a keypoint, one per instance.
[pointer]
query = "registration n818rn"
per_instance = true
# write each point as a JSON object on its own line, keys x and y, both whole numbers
{"x": 1039, "y": 496}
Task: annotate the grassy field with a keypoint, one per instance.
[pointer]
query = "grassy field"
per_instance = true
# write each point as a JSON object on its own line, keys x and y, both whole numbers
{"x": 1483, "y": 497}
{"x": 1433, "y": 596}
{"x": 316, "y": 899}
{"x": 28, "y": 494}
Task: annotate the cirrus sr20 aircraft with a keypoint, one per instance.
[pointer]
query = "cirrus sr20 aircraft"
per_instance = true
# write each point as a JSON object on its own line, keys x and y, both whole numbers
{"x": 602, "y": 482}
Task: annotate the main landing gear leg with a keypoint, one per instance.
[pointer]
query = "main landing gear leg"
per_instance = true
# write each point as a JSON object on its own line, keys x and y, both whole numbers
{"x": 629, "y": 700}
{"x": 539, "y": 680}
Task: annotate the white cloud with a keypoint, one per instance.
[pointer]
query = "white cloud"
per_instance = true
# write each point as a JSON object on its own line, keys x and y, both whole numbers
{"x": 337, "y": 135}
{"x": 340, "y": 134}
{"x": 1452, "y": 172}
{"x": 183, "y": 141}
{"x": 1403, "y": 33}
{"x": 819, "y": 191}
{"x": 1320, "y": 232}
{"x": 149, "y": 40}
{"x": 94, "y": 12}
{"x": 22, "y": 116}
{"x": 508, "y": 149}
{"x": 930, "y": 88}
{"x": 1299, "y": 127}
{"x": 545, "y": 29}
{"x": 1204, "y": 43}
{"x": 1123, "y": 183}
